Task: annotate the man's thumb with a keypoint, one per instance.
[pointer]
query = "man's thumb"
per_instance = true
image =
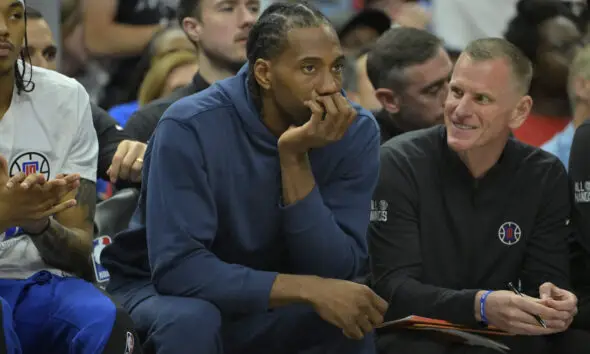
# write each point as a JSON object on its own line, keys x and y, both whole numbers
{"x": 545, "y": 291}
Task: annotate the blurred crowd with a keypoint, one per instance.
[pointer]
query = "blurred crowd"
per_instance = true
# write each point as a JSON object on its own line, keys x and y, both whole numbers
{"x": 129, "y": 53}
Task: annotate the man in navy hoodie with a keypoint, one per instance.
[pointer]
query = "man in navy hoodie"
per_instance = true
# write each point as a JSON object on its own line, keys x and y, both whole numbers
{"x": 254, "y": 207}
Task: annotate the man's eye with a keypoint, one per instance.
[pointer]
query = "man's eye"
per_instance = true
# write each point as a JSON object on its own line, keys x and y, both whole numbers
{"x": 308, "y": 69}
{"x": 433, "y": 90}
{"x": 16, "y": 16}
{"x": 483, "y": 99}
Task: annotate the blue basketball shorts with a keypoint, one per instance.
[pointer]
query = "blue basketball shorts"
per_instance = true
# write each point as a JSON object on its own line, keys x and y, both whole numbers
{"x": 50, "y": 314}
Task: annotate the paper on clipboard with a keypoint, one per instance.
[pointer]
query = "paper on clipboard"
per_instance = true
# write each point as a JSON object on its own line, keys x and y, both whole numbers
{"x": 464, "y": 334}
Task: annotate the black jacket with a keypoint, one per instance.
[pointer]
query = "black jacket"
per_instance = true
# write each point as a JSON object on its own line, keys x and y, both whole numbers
{"x": 109, "y": 134}
{"x": 438, "y": 235}
{"x": 579, "y": 171}
{"x": 142, "y": 123}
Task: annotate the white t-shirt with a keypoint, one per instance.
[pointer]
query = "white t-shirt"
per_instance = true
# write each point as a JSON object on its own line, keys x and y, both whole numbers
{"x": 49, "y": 131}
{"x": 458, "y": 22}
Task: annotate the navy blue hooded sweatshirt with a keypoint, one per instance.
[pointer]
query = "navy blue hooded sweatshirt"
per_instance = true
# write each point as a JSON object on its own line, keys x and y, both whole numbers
{"x": 210, "y": 214}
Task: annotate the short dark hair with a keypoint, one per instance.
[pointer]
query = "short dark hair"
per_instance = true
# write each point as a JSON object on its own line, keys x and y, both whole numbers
{"x": 496, "y": 48}
{"x": 188, "y": 8}
{"x": 397, "y": 49}
{"x": 33, "y": 14}
{"x": 523, "y": 29}
{"x": 268, "y": 36}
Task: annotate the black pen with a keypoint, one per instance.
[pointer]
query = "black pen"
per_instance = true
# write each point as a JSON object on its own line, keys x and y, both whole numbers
{"x": 537, "y": 317}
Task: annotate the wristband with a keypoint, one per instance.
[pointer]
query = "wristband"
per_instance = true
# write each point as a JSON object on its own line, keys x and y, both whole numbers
{"x": 482, "y": 307}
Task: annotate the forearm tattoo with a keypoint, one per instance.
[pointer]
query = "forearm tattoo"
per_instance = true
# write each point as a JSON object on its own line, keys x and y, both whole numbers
{"x": 69, "y": 249}
{"x": 86, "y": 199}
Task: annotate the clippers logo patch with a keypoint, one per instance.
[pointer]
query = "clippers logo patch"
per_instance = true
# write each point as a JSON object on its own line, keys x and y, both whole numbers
{"x": 29, "y": 163}
{"x": 509, "y": 233}
{"x": 129, "y": 343}
{"x": 100, "y": 272}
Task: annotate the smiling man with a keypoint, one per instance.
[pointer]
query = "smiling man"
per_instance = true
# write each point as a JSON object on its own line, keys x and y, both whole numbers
{"x": 253, "y": 212}
{"x": 467, "y": 209}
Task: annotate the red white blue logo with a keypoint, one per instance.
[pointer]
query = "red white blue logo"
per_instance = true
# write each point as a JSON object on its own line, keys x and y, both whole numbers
{"x": 29, "y": 163}
{"x": 100, "y": 272}
{"x": 509, "y": 233}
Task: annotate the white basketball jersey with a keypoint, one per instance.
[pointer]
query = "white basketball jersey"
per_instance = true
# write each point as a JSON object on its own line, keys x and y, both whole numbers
{"x": 48, "y": 131}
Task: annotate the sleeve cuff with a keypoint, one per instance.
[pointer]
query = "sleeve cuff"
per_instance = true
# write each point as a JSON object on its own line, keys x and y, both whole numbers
{"x": 463, "y": 309}
{"x": 257, "y": 297}
{"x": 85, "y": 173}
{"x": 305, "y": 213}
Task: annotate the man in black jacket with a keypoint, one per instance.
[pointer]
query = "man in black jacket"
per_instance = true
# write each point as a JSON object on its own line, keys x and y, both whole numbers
{"x": 579, "y": 166}
{"x": 409, "y": 69}
{"x": 463, "y": 210}
{"x": 220, "y": 33}
{"x": 119, "y": 159}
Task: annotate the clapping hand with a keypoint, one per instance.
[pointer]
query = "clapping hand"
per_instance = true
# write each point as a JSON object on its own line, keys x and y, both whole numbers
{"x": 31, "y": 199}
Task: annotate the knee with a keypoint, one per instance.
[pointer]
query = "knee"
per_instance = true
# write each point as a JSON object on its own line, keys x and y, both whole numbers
{"x": 195, "y": 313}
{"x": 176, "y": 325}
{"x": 177, "y": 317}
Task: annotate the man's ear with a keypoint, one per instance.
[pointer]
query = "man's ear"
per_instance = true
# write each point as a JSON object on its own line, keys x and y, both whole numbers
{"x": 390, "y": 100}
{"x": 262, "y": 73}
{"x": 193, "y": 28}
{"x": 521, "y": 113}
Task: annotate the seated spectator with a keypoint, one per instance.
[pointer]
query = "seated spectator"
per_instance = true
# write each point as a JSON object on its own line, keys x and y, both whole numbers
{"x": 112, "y": 141}
{"x": 168, "y": 73}
{"x": 75, "y": 59}
{"x": 465, "y": 210}
{"x": 117, "y": 31}
{"x": 357, "y": 30}
{"x": 170, "y": 40}
{"x": 366, "y": 91}
{"x": 579, "y": 94}
{"x": 48, "y": 157}
{"x": 579, "y": 171}
{"x": 547, "y": 33}
{"x": 40, "y": 48}
{"x": 409, "y": 69}
{"x": 200, "y": 268}
{"x": 220, "y": 38}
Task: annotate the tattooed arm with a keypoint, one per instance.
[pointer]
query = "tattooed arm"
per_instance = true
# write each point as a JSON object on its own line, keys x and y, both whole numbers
{"x": 67, "y": 243}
